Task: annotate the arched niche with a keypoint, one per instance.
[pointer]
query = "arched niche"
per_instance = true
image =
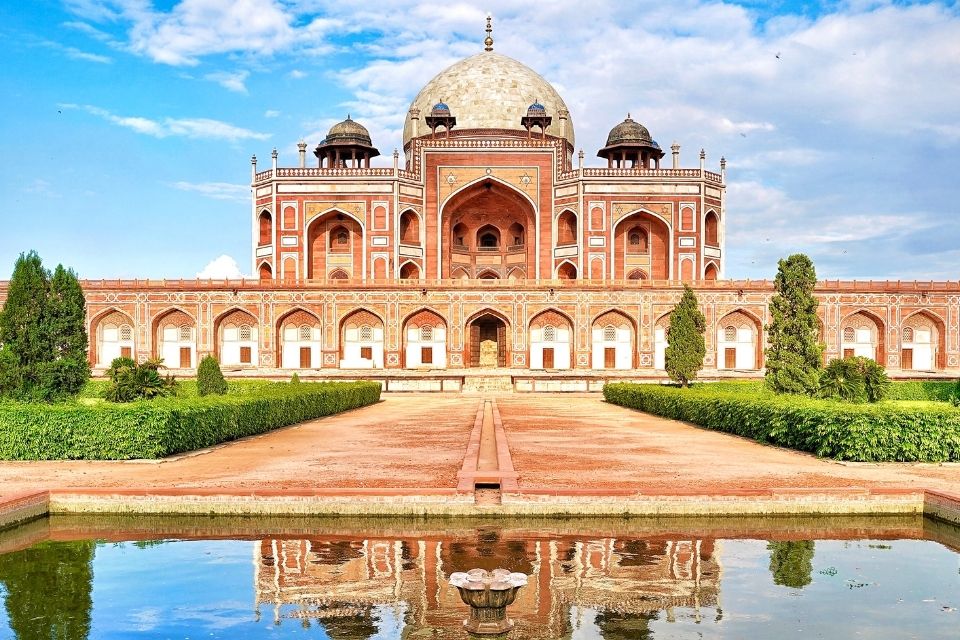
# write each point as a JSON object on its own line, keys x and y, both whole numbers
{"x": 175, "y": 338}
{"x": 237, "y": 338}
{"x": 425, "y": 340}
{"x": 642, "y": 241}
{"x": 613, "y": 338}
{"x": 299, "y": 343}
{"x": 739, "y": 341}
{"x": 551, "y": 340}
{"x": 361, "y": 340}
{"x": 112, "y": 336}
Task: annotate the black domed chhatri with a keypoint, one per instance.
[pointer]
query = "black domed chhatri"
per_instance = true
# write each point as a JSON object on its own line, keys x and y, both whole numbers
{"x": 629, "y": 144}
{"x": 440, "y": 116}
{"x": 536, "y": 117}
{"x": 347, "y": 144}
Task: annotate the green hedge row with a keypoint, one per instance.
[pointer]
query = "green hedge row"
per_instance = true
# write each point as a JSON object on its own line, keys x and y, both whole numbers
{"x": 158, "y": 428}
{"x": 940, "y": 390}
{"x": 871, "y": 433}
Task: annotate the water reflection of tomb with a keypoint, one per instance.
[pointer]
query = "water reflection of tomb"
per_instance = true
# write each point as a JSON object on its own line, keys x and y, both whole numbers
{"x": 348, "y": 585}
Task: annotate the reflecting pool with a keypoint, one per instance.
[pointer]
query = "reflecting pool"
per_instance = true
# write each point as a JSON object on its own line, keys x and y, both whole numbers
{"x": 78, "y": 577}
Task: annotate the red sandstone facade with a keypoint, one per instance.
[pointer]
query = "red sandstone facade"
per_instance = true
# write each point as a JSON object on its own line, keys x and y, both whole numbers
{"x": 488, "y": 248}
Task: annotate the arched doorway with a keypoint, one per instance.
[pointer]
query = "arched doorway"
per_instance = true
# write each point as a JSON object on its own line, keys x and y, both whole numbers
{"x": 361, "y": 341}
{"x": 487, "y": 344}
{"x": 425, "y": 341}
{"x": 335, "y": 246}
{"x": 488, "y": 226}
{"x": 175, "y": 336}
{"x": 237, "y": 332}
{"x": 660, "y": 333}
{"x": 551, "y": 341}
{"x": 738, "y": 342}
{"x": 410, "y": 271}
{"x": 923, "y": 343}
{"x": 711, "y": 272}
{"x": 265, "y": 226}
{"x": 613, "y": 341}
{"x": 861, "y": 334}
{"x": 113, "y": 337}
{"x": 300, "y": 344}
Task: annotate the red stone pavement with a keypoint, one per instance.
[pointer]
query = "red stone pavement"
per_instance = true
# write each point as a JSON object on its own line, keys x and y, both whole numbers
{"x": 563, "y": 442}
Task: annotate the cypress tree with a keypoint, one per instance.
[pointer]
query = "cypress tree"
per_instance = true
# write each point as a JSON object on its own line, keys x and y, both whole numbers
{"x": 210, "y": 379}
{"x": 794, "y": 357}
{"x": 685, "y": 344}
{"x": 67, "y": 333}
{"x": 23, "y": 331}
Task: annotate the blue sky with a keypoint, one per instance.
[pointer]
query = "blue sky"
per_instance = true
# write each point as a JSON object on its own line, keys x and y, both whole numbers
{"x": 128, "y": 126}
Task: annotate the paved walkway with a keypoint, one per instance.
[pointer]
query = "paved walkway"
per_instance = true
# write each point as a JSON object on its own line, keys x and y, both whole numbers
{"x": 418, "y": 442}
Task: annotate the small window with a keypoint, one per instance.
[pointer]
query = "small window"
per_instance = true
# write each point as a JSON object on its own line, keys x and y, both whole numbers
{"x": 366, "y": 333}
{"x": 908, "y": 334}
{"x": 488, "y": 240}
{"x": 549, "y": 333}
{"x": 730, "y": 334}
{"x": 426, "y": 333}
{"x": 635, "y": 239}
{"x": 610, "y": 334}
{"x": 126, "y": 332}
{"x": 343, "y": 237}
{"x": 244, "y": 332}
{"x": 458, "y": 241}
{"x": 849, "y": 334}
{"x": 305, "y": 332}
{"x": 186, "y": 333}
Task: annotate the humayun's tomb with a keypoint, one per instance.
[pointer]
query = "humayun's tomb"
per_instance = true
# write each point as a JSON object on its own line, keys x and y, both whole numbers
{"x": 489, "y": 245}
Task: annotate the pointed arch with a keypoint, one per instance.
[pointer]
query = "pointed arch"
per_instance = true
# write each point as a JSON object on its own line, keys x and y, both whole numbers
{"x": 567, "y": 270}
{"x": 483, "y": 328}
{"x": 236, "y": 337}
{"x": 488, "y": 274}
{"x": 361, "y": 333}
{"x": 711, "y": 271}
{"x": 175, "y": 335}
{"x": 113, "y": 335}
{"x": 871, "y": 346}
{"x": 317, "y": 239}
{"x": 491, "y": 179}
{"x": 265, "y": 271}
{"x": 411, "y": 224}
{"x": 460, "y": 273}
{"x": 551, "y": 340}
{"x": 614, "y": 340}
{"x": 566, "y": 228}
{"x": 265, "y": 228}
{"x": 516, "y": 273}
{"x": 927, "y": 352}
{"x": 424, "y": 339}
{"x": 410, "y": 270}
{"x": 298, "y": 334}
{"x": 711, "y": 228}
{"x": 637, "y": 274}
{"x": 656, "y": 258}
{"x": 739, "y": 340}
{"x": 338, "y": 274}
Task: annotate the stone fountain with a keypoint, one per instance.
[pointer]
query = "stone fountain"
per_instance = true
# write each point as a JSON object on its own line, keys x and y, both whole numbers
{"x": 488, "y": 594}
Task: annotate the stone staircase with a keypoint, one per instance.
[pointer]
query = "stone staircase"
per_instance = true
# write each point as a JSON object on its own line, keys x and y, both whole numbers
{"x": 488, "y": 384}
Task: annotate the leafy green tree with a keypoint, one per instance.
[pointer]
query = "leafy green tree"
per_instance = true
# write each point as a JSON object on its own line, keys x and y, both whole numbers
{"x": 791, "y": 562}
{"x": 794, "y": 357}
{"x": 22, "y": 325}
{"x": 210, "y": 379}
{"x": 48, "y": 590}
{"x": 685, "y": 344}
{"x": 67, "y": 333}
{"x": 295, "y": 378}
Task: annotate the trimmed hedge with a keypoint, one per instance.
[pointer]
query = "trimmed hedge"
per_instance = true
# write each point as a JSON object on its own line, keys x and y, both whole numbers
{"x": 939, "y": 390}
{"x": 870, "y": 433}
{"x": 158, "y": 428}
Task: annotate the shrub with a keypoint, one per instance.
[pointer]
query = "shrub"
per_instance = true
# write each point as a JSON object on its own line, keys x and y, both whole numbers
{"x": 294, "y": 379}
{"x": 130, "y": 381}
{"x": 210, "y": 380}
{"x": 939, "y": 390}
{"x": 864, "y": 432}
{"x": 854, "y": 379}
{"x": 167, "y": 425}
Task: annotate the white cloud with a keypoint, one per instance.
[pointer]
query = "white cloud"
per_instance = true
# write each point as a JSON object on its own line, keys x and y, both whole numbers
{"x": 271, "y": 113}
{"x": 296, "y": 74}
{"x": 199, "y": 128}
{"x": 217, "y": 190}
{"x": 232, "y": 81}
{"x": 222, "y": 268}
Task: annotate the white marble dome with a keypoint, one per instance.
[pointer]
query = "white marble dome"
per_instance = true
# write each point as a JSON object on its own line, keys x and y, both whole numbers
{"x": 489, "y": 91}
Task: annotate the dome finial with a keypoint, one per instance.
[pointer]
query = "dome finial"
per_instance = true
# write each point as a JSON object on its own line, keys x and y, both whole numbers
{"x": 488, "y": 41}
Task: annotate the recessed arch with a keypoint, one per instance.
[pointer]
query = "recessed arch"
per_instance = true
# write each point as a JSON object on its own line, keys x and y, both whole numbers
{"x": 410, "y": 270}
{"x": 298, "y": 348}
{"x": 488, "y": 274}
{"x": 236, "y": 337}
{"x": 637, "y": 274}
{"x": 265, "y": 228}
{"x": 928, "y": 348}
{"x": 492, "y": 179}
{"x": 174, "y": 332}
{"x": 567, "y": 270}
{"x": 488, "y": 341}
{"x": 424, "y": 339}
{"x": 361, "y": 333}
{"x": 567, "y": 228}
{"x": 551, "y": 340}
{"x": 872, "y": 345}
{"x": 265, "y": 271}
{"x": 739, "y": 340}
{"x": 661, "y": 331}
{"x": 614, "y": 340}
{"x": 711, "y": 228}
{"x": 411, "y": 224}
{"x": 711, "y": 272}
{"x": 656, "y": 258}
{"x": 113, "y": 335}
{"x": 317, "y": 244}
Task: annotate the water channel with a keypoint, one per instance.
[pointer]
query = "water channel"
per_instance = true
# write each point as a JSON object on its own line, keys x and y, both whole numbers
{"x": 72, "y": 577}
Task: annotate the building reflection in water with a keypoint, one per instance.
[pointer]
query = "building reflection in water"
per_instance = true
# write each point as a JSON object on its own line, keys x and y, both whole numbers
{"x": 358, "y": 587}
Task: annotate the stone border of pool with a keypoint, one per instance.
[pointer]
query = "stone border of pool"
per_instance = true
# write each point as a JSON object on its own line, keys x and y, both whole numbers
{"x": 20, "y": 508}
